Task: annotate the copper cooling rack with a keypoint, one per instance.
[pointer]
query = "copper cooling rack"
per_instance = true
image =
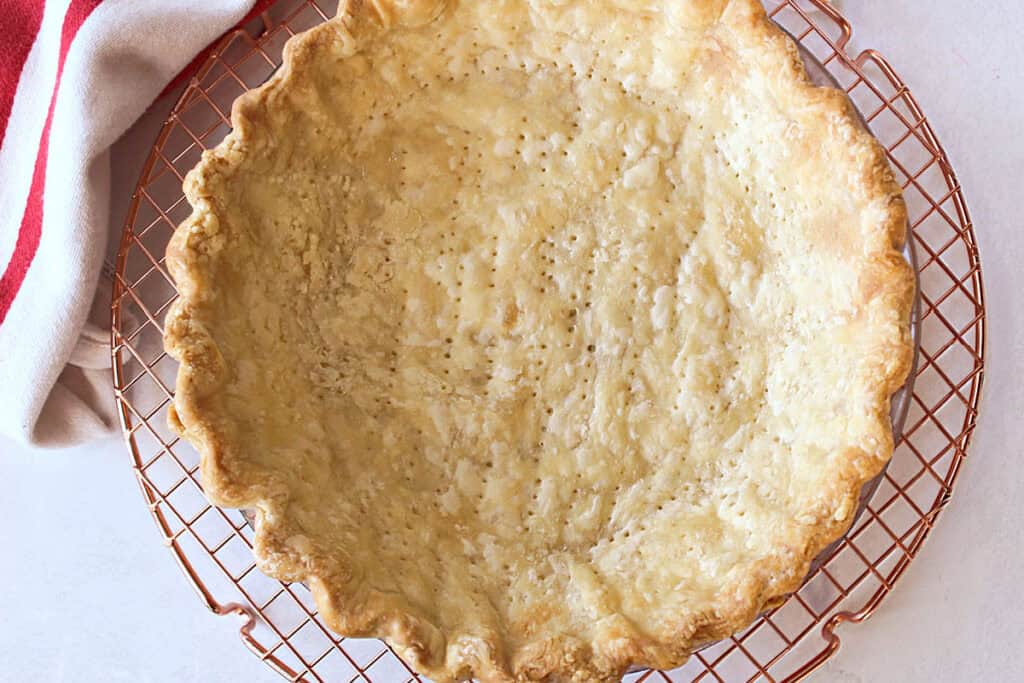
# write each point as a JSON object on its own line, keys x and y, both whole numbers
{"x": 279, "y": 621}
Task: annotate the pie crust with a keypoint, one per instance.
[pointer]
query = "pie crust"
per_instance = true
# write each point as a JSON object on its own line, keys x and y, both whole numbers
{"x": 545, "y": 338}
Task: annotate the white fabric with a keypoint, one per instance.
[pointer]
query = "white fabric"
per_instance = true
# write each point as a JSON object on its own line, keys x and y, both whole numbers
{"x": 54, "y": 367}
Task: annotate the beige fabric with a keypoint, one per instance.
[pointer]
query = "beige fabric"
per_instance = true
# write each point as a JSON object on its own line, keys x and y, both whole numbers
{"x": 80, "y": 406}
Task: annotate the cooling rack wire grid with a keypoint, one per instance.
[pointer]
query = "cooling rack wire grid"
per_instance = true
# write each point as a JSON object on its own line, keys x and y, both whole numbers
{"x": 279, "y": 621}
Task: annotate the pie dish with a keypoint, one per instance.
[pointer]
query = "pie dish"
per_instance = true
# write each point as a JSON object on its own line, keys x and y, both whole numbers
{"x": 544, "y": 338}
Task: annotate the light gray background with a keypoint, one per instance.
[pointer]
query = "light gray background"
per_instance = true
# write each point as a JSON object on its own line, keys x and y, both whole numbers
{"x": 87, "y": 592}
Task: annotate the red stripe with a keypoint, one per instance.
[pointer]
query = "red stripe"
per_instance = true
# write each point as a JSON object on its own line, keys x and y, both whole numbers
{"x": 19, "y": 26}
{"x": 32, "y": 221}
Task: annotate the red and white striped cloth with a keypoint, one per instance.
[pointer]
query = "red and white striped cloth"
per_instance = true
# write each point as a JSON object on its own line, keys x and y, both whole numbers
{"x": 74, "y": 76}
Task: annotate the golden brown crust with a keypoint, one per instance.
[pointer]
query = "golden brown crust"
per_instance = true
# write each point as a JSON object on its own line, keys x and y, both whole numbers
{"x": 487, "y": 645}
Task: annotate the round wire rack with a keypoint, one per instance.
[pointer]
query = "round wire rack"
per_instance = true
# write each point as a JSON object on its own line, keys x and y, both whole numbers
{"x": 279, "y": 622}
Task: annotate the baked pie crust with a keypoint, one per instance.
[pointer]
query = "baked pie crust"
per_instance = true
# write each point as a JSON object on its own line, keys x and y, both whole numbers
{"x": 545, "y": 338}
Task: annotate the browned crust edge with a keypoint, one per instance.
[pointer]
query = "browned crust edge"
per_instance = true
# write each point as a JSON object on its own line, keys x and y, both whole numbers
{"x": 347, "y": 606}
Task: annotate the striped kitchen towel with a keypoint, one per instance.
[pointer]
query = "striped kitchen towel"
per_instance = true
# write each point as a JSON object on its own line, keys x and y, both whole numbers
{"x": 74, "y": 76}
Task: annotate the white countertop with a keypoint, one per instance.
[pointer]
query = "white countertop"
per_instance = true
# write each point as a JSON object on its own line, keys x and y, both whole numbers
{"x": 89, "y": 593}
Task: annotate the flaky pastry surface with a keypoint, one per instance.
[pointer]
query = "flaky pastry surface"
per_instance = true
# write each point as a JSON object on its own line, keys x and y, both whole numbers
{"x": 545, "y": 338}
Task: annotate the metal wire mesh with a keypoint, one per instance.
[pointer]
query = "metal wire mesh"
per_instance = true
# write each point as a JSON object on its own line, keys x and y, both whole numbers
{"x": 279, "y": 620}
